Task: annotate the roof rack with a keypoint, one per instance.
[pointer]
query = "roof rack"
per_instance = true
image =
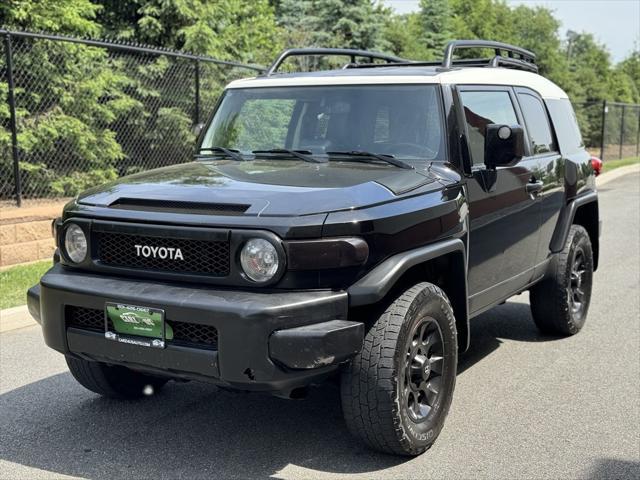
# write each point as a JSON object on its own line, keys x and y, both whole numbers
{"x": 525, "y": 59}
{"x": 516, "y": 57}
{"x": 336, "y": 52}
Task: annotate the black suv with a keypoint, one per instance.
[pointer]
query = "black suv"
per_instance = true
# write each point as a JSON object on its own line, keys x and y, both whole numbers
{"x": 348, "y": 221}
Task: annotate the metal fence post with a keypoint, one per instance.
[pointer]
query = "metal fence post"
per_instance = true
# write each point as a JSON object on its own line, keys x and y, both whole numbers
{"x": 621, "y": 130}
{"x": 12, "y": 120}
{"x": 604, "y": 120}
{"x": 196, "y": 112}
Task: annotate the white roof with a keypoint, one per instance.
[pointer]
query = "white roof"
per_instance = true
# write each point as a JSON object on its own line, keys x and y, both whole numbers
{"x": 411, "y": 75}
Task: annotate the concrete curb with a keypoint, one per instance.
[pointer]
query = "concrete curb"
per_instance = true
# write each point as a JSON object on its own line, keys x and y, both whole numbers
{"x": 19, "y": 317}
{"x": 15, "y": 318}
{"x": 617, "y": 173}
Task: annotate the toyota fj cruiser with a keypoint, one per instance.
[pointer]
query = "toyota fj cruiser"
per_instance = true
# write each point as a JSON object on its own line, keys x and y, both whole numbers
{"x": 349, "y": 221}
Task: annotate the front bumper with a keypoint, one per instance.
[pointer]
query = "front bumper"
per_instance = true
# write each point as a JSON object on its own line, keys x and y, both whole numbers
{"x": 274, "y": 342}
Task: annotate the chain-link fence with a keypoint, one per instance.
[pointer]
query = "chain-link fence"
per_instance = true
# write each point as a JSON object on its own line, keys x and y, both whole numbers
{"x": 81, "y": 112}
{"x": 610, "y": 129}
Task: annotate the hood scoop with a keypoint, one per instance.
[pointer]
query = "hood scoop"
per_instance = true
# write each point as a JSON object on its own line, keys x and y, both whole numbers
{"x": 174, "y": 206}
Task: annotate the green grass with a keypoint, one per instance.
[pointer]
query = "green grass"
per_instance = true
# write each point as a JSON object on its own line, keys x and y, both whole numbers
{"x": 15, "y": 281}
{"x": 623, "y": 162}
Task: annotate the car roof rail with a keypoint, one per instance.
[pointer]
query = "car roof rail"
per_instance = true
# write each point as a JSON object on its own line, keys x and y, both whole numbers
{"x": 336, "y": 52}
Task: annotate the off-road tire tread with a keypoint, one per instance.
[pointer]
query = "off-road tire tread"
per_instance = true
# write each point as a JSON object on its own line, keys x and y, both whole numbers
{"x": 548, "y": 299}
{"x": 367, "y": 387}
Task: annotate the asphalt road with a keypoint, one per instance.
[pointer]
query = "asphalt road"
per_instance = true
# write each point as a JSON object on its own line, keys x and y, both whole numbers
{"x": 526, "y": 406}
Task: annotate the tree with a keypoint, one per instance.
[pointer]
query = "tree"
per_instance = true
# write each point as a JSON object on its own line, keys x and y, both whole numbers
{"x": 630, "y": 66}
{"x": 483, "y": 19}
{"x": 536, "y": 29}
{"x": 73, "y": 17}
{"x": 435, "y": 19}
{"x": 225, "y": 29}
{"x": 66, "y": 97}
{"x": 334, "y": 23}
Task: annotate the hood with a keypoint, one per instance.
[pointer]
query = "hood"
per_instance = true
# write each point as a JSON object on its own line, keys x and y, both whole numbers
{"x": 266, "y": 187}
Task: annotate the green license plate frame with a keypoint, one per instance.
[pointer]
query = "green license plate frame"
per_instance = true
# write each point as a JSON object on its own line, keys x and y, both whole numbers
{"x": 136, "y": 325}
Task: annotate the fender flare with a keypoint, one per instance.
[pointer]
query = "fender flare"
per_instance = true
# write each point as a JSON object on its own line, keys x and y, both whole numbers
{"x": 375, "y": 285}
{"x": 566, "y": 218}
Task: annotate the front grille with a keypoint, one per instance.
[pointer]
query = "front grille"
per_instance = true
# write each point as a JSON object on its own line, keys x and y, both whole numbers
{"x": 186, "y": 334}
{"x": 197, "y": 256}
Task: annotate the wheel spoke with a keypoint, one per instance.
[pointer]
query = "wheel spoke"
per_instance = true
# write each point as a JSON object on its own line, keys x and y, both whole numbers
{"x": 431, "y": 340}
{"x": 421, "y": 332}
{"x": 432, "y": 389}
{"x": 436, "y": 364}
{"x": 420, "y": 360}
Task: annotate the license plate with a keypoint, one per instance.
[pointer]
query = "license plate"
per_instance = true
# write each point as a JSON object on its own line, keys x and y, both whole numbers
{"x": 136, "y": 325}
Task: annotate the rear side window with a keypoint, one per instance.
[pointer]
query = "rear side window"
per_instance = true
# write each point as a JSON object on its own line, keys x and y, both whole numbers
{"x": 480, "y": 109}
{"x": 535, "y": 117}
{"x": 566, "y": 125}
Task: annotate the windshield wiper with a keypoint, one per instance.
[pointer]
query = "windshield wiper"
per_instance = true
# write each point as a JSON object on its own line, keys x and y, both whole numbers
{"x": 301, "y": 154}
{"x": 229, "y": 152}
{"x": 361, "y": 156}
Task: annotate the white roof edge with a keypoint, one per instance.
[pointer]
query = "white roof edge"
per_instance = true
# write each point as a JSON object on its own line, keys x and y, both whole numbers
{"x": 464, "y": 76}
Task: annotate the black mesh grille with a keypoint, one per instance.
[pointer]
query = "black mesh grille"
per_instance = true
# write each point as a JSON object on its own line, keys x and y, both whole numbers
{"x": 187, "y": 334}
{"x": 198, "y": 256}
{"x": 197, "y": 208}
{"x": 86, "y": 318}
{"x": 192, "y": 333}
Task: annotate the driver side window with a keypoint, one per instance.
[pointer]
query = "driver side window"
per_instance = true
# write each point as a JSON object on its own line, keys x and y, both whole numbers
{"x": 480, "y": 109}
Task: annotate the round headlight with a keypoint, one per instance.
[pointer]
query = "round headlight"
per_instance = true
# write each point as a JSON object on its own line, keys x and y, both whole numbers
{"x": 75, "y": 243}
{"x": 259, "y": 260}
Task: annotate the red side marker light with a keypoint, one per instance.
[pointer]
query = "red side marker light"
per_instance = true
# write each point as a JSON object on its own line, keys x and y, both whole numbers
{"x": 596, "y": 163}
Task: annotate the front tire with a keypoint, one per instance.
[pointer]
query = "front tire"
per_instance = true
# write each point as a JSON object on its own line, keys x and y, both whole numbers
{"x": 397, "y": 391}
{"x": 559, "y": 304}
{"x": 113, "y": 381}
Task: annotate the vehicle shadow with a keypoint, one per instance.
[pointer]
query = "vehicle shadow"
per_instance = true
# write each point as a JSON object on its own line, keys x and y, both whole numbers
{"x": 510, "y": 321}
{"x": 194, "y": 430}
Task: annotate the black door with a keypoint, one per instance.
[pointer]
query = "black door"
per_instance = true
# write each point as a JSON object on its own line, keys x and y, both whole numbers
{"x": 504, "y": 209}
{"x": 547, "y": 164}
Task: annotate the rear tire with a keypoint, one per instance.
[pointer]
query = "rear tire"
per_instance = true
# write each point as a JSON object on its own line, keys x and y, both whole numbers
{"x": 113, "y": 381}
{"x": 397, "y": 391}
{"x": 560, "y": 303}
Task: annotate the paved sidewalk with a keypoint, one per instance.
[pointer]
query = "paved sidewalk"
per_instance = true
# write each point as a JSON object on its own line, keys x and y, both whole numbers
{"x": 19, "y": 317}
{"x": 15, "y": 318}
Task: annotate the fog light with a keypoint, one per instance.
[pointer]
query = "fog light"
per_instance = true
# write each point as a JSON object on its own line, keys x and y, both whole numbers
{"x": 259, "y": 260}
{"x": 75, "y": 243}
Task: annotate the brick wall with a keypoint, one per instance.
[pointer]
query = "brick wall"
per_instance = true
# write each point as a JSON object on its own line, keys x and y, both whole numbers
{"x": 25, "y": 234}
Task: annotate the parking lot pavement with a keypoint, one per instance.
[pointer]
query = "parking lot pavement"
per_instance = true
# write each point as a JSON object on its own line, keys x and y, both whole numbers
{"x": 526, "y": 406}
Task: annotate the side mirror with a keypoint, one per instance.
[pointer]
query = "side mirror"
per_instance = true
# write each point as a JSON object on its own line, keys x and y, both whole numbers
{"x": 503, "y": 145}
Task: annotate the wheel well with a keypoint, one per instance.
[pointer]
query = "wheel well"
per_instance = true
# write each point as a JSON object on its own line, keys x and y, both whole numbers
{"x": 447, "y": 272}
{"x": 587, "y": 216}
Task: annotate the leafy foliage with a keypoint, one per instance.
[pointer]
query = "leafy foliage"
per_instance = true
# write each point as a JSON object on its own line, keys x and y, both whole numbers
{"x": 226, "y": 29}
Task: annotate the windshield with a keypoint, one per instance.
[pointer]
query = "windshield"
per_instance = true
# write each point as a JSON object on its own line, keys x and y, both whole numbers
{"x": 399, "y": 120}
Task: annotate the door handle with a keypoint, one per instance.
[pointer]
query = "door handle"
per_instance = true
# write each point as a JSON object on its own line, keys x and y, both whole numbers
{"x": 534, "y": 187}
